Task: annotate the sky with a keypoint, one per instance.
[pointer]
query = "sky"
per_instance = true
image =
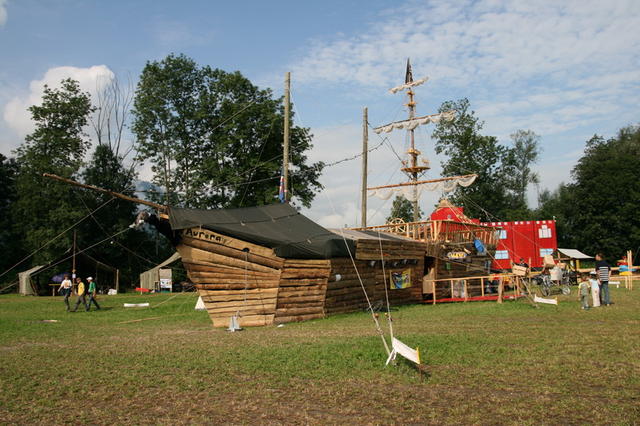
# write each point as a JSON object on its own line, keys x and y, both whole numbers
{"x": 565, "y": 70}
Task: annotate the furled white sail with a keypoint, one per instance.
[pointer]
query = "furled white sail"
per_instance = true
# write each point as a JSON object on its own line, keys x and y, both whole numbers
{"x": 447, "y": 185}
{"x": 415, "y": 122}
{"x": 409, "y": 85}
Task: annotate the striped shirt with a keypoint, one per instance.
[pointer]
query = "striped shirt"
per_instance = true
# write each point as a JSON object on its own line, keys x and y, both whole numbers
{"x": 603, "y": 269}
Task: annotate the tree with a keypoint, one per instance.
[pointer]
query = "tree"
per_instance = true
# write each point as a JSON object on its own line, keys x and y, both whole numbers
{"x": 468, "y": 152}
{"x": 112, "y": 113}
{"x": 558, "y": 205}
{"x": 57, "y": 145}
{"x": 9, "y": 243}
{"x": 401, "y": 208}
{"x": 517, "y": 163}
{"x": 130, "y": 249}
{"x": 207, "y": 133}
{"x": 607, "y": 194}
{"x": 599, "y": 208}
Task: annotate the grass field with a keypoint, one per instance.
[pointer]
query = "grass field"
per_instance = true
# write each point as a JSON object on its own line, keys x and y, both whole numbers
{"x": 488, "y": 364}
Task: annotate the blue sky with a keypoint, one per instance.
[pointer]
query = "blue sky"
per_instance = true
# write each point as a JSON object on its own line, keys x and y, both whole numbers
{"x": 565, "y": 70}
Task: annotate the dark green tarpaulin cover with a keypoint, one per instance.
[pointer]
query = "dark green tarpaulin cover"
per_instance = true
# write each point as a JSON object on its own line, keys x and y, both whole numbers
{"x": 277, "y": 226}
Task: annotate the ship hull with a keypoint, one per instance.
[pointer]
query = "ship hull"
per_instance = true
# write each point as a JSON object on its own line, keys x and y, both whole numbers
{"x": 238, "y": 278}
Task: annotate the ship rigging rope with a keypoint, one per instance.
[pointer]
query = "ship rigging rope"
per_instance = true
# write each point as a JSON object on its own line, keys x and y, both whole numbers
{"x": 106, "y": 233}
{"x": 364, "y": 290}
{"x": 386, "y": 290}
{"x": 264, "y": 144}
{"x": 85, "y": 249}
{"x": 495, "y": 219}
{"x": 56, "y": 237}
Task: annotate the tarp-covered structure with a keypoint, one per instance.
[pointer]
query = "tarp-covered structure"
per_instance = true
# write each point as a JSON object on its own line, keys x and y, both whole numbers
{"x": 573, "y": 254}
{"x": 148, "y": 279}
{"x": 27, "y": 286}
{"x": 278, "y": 226}
{"x": 573, "y": 257}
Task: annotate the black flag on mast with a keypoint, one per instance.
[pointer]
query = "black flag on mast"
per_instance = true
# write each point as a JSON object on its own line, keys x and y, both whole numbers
{"x": 408, "y": 78}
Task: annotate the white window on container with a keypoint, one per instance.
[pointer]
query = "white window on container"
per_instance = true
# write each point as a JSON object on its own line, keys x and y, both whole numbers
{"x": 544, "y": 232}
{"x": 545, "y": 252}
{"x": 502, "y": 234}
{"x": 502, "y": 254}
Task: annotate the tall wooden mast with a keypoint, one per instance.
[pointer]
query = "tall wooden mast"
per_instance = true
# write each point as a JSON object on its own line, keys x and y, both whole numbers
{"x": 365, "y": 149}
{"x": 412, "y": 169}
{"x": 285, "y": 153}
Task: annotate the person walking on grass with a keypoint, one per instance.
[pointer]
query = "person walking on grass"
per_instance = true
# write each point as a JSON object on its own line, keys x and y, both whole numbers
{"x": 583, "y": 290}
{"x": 80, "y": 291}
{"x": 66, "y": 287}
{"x": 604, "y": 272}
{"x": 595, "y": 289}
{"x": 91, "y": 291}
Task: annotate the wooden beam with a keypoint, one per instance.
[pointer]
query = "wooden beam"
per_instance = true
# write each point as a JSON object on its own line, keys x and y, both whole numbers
{"x": 106, "y": 191}
{"x": 419, "y": 182}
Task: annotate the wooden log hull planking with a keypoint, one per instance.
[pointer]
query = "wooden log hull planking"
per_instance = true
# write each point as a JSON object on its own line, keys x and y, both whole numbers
{"x": 235, "y": 277}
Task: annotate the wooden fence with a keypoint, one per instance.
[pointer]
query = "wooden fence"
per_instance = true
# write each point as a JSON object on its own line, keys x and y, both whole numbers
{"x": 440, "y": 231}
{"x": 464, "y": 289}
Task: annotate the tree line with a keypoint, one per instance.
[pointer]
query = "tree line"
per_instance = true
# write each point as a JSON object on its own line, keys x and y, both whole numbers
{"x": 211, "y": 138}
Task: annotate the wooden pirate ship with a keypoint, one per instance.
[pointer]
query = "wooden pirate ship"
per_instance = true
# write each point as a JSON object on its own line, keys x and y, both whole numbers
{"x": 270, "y": 264}
{"x": 457, "y": 247}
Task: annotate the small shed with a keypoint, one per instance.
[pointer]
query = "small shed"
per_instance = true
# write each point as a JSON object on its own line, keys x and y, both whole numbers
{"x": 152, "y": 278}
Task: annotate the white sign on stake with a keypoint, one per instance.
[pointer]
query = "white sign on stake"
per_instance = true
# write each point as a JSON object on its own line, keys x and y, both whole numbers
{"x": 543, "y": 300}
{"x": 200, "y": 304}
{"x": 412, "y": 355}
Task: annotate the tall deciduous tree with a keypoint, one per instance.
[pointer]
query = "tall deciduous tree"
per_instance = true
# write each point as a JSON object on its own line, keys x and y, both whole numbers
{"x": 599, "y": 209}
{"x": 129, "y": 251}
{"x": 57, "y": 145}
{"x": 9, "y": 241}
{"x": 112, "y": 116}
{"x": 468, "y": 151}
{"x": 207, "y": 133}
{"x": 559, "y": 205}
{"x": 517, "y": 169}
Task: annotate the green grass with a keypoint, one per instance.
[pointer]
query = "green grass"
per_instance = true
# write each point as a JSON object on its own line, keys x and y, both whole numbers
{"x": 488, "y": 363}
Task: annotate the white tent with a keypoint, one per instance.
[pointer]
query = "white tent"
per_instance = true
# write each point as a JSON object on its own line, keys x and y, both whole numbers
{"x": 148, "y": 279}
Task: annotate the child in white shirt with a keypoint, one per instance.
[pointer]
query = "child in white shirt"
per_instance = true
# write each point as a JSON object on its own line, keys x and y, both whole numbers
{"x": 595, "y": 288}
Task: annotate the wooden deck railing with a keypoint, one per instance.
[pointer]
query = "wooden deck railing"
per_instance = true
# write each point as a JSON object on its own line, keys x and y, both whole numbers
{"x": 440, "y": 231}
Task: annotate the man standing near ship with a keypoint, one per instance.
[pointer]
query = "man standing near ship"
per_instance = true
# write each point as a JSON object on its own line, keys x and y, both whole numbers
{"x": 604, "y": 272}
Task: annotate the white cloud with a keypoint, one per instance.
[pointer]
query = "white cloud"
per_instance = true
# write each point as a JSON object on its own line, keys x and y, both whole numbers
{"x": 16, "y": 114}
{"x": 524, "y": 63}
{"x": 3, "y": 12}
